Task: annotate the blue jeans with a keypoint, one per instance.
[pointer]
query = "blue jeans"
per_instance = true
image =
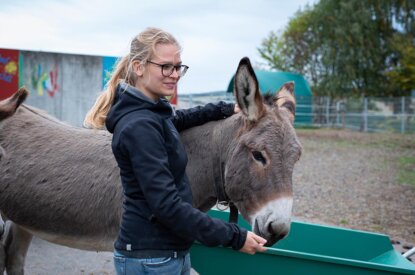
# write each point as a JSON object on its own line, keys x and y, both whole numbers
{"x": 156, "y": 266}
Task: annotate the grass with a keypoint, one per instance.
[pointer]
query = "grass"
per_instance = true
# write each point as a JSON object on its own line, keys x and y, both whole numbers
{"x": 305, "y": 126}
{"x": 406, "y": 170}
{"x": 344, "y": 222}
{"x": 377, "y": 228}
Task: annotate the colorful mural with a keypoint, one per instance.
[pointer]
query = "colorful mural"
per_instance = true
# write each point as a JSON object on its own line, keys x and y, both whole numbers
{"x": 108, "y": 65}
{"x": 45, "y": 81}
{"x": 9, "y": 72}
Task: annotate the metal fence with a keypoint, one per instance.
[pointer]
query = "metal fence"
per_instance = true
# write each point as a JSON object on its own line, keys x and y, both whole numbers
{"x": 366, "y": 114}
{"x": 190, "y": 100}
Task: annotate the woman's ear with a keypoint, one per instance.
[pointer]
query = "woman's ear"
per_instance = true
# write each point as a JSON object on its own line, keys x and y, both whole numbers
{"x": 138, "y": 68}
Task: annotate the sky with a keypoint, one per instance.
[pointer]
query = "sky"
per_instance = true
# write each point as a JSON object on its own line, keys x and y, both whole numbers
{"x": 214, "y": 34}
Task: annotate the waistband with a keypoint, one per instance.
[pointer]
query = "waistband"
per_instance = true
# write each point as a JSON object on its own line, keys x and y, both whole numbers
{"x": 142, "y": 254}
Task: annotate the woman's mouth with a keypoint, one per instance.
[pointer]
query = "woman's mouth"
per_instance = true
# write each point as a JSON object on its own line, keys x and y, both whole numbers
{"x": 170, "y": 85}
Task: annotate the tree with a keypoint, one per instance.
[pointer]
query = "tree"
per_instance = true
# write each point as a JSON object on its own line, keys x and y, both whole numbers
{"x": 348, "y": 48}
{"x": 401, "y": 73}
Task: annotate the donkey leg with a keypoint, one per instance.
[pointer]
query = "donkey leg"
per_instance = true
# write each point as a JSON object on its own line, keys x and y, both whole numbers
{"x": 16, "y": 249}
{"x": 2, "y": 259}
{"x": 2, "y": 247}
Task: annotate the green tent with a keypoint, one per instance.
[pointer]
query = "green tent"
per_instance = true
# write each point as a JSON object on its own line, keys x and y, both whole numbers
{"x": 270, "y": 82}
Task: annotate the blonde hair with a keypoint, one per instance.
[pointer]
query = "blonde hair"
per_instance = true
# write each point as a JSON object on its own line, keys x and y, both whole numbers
{"x": 142, "y": 49}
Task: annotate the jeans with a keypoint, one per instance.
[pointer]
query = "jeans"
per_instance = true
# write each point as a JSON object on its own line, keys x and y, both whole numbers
{"x": 169, "y": 266}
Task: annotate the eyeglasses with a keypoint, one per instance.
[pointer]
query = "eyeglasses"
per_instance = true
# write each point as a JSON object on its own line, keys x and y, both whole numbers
{"x": 167, "y": 69}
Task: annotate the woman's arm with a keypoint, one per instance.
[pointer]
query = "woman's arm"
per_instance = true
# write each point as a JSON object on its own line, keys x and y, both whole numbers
{"x": 187, "y": 118}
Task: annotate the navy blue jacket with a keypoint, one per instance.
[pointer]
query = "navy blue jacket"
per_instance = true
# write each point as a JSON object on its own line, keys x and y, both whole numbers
{"x": 158, "y": 213}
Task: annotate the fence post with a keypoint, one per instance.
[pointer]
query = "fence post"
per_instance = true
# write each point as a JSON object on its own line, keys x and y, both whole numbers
{"x": 365, "y": 114}
{"x": 402, "y": 114}
{"x": 338, "y": 109}
{"x": 327, "y": 110}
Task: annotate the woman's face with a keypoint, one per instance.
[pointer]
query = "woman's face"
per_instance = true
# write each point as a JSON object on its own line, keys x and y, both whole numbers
{"x": 151, "y": 80}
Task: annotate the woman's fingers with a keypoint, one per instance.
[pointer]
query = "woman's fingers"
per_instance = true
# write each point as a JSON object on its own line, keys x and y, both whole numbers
{"x": 253, "y": 244}
{"x": 259, "y": 239}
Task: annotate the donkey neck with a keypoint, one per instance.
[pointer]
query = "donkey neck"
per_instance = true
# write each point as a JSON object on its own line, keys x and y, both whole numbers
{"x": 206, "y": 145}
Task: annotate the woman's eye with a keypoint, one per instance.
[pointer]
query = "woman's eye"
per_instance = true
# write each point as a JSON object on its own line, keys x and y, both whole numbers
{"x": 258, "y": 156}
{"x": 168, "y": 67}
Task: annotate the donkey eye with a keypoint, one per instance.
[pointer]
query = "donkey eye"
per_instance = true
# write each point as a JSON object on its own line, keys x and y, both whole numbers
{"x": 289, "y": 106}
{"x": 258, "y": 156}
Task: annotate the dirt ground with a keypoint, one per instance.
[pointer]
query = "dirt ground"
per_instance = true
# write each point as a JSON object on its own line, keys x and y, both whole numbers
{"x": 355, "y": 180}
{"x": 343, "y": 178}
{"x": 45, "y": 258}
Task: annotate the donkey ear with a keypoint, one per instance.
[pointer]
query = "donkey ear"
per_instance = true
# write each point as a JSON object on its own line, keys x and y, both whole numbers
{"x": 285, "y": 99}
{"x": 8, "y": 106}
{"x": 247, "y": 92}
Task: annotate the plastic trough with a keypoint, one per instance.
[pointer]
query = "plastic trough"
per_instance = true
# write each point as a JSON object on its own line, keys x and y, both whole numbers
{"x": 308, "y": 249}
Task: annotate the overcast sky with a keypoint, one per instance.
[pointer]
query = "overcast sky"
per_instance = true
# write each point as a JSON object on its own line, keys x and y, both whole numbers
{"x": 214, "y": 35}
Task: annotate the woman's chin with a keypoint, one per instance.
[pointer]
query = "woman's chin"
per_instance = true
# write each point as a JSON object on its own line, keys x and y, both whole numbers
{"x": 168, "y": 93}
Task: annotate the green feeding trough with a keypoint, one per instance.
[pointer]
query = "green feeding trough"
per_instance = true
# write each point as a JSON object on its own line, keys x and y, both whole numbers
{"x": 270, "y": 82}
{"x": 309, "y": 249}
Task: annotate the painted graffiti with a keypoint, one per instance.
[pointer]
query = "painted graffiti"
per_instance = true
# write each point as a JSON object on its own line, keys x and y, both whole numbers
{"x": 45, "y": 81}
{"x": 10, "y": 69}
{"x": 108, "y": 65}
{"x": 9, "y": 72}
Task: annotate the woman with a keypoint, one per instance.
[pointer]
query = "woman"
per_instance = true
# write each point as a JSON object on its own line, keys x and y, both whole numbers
{"x": 159, "y": 223}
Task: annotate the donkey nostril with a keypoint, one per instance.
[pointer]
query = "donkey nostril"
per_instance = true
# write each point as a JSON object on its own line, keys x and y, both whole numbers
{"x": 277, "y": 230}
{"x": 270, "y": 229}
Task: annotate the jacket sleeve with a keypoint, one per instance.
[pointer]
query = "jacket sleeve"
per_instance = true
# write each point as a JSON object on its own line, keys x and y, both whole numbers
{"x": 144, "y": 144}
{"x": 187, "y": 118}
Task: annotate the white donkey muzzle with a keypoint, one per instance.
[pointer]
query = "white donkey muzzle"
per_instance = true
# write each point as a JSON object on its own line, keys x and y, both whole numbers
{"x": 273, "y": 220}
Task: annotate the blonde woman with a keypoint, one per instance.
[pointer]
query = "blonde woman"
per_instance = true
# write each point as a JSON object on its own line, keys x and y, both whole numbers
{"x": 159, "y": 223}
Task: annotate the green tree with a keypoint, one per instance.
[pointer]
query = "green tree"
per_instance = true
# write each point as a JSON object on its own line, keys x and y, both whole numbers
{"x": 348, "y": 48}
{"x": 401, "y": 73}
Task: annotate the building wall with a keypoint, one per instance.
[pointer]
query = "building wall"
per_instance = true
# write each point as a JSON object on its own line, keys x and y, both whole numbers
{"x": 64, "y": 85}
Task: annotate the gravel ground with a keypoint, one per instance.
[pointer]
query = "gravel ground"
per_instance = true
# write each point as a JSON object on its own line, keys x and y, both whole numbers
{"x": 351, "y": 179}
{"x": 44, "y": 258}
{"x": 343, "y": 178}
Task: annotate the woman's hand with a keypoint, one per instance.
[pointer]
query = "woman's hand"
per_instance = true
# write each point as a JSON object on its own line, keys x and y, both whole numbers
{"x": 236, "y": 109}
{"x": 253, "y": 244}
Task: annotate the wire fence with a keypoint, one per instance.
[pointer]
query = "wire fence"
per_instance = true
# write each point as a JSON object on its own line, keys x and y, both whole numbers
{"x": 366, "y": 114}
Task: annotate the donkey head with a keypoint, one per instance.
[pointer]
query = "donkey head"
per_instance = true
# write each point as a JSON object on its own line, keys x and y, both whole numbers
{"x": 263, "y": 156}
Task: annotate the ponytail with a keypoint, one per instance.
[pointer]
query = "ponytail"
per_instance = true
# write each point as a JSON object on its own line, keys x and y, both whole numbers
{"x": 95, "y": 118}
